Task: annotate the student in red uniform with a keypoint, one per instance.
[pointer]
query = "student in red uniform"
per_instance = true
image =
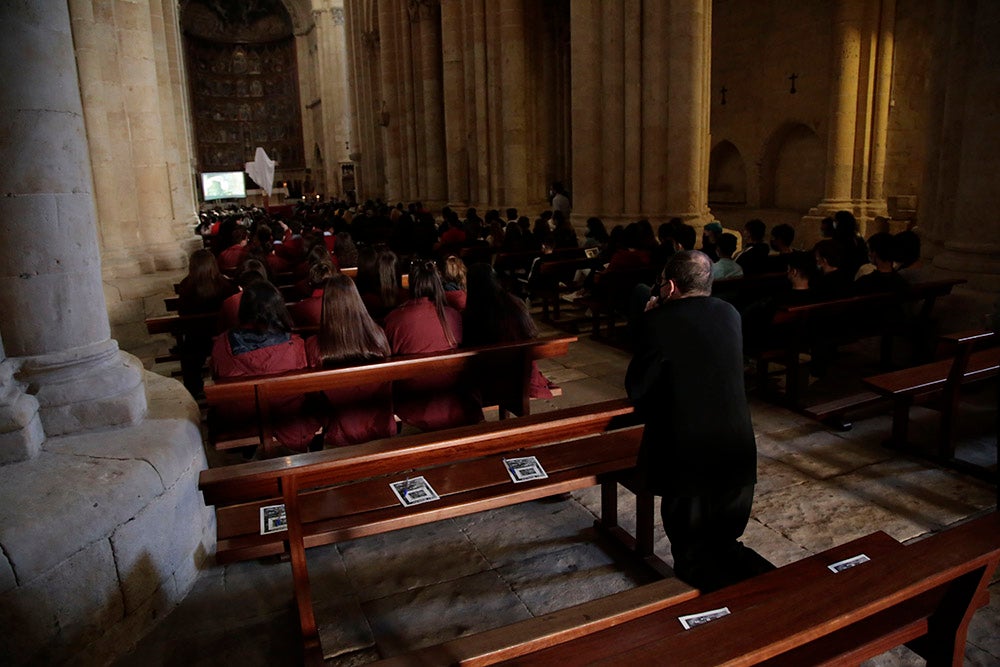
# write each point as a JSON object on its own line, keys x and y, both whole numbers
{"x": 203, "y": 290}
{"x": 493, "y": 315}
{"x": 308, "y": 311}
{"x": 422, "y": 325}
{"x": 348, "y": 336}
{"x": 262, "y": 344}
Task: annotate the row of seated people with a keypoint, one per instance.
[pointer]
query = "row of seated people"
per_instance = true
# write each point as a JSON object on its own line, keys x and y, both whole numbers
{"x": 894, "y": 264}
{"x": 263, "y": 342}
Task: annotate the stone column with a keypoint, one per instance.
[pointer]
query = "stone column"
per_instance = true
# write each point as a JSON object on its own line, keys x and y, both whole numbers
{"x": 883, "y": 98}
{"x": 390, "y": 117}
{"x": 334, "y": 94}
{"x": 427, "y": 68}
{"x": 56, "y": 326}
{"x": 655, "y": 61}
{"x": 175, "y": 113}
{"x": 514, "y": 106}
{"x": 453, "y": 64}
{"x": 140, "y": 87}
{"x": 958, "y": 213}
{"x": 611, "y": 106}
{"x": 96, "y": 42}
{"x": 585, "y": 31}
{"x": 690, "y": 42}
{"x": 859, "y": 111}
{"x": 843, "y": 105}
{"x": 476, "y": 100}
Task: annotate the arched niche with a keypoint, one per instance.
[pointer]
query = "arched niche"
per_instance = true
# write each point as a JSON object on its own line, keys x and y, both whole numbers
{"x": 792, "y": 170}
{"x": 727, "y": 175}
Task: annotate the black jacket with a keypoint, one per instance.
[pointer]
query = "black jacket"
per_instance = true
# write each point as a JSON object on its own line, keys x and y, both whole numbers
{"x": 686, "y": 379}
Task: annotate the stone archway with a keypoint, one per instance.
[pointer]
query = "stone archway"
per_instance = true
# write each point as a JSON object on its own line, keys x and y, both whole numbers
{"x": 792, "y": 168}
{"x": 727, "y": 175}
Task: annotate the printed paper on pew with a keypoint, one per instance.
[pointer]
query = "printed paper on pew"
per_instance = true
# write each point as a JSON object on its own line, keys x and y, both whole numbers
{"x": 272, "y": 519}
{"x": 848, "y": 563}
{"x": 694, "y": 620}
{"x": 413, "y": 491}
{"x": 525, "y": 469}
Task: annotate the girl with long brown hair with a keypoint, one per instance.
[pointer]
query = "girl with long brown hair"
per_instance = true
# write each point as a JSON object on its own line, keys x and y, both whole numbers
{"x": 421, "y": 325}
{"x": 349, "y": 336}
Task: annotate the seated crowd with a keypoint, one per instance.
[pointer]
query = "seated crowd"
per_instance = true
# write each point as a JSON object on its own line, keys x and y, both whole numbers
{"x": 334, "y": 321}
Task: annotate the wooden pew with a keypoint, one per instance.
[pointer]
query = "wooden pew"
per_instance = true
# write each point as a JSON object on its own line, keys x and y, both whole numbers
{"x": 923, "y": 594}
{"x": 501, "y": 372}
{"x": 344, "y": 493}
{"x": 943, "y": 379}
{"x": 798, "y": 328}
{"x": 611, "y": 296}
{"x": 553, "y": 276}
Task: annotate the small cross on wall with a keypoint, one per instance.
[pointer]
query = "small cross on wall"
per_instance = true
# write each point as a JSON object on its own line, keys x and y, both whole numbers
{"x": 724, "y": 91}
{"x": 792, "y": 78}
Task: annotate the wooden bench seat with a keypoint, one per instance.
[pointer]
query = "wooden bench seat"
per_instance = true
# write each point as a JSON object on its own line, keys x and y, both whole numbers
{"x": 344, "y": 493}
{"x": 795, "y": 330}
{"x": 923, "y": 594}
{"x": 943, "y": 379}
{"x": 501, "y": 373}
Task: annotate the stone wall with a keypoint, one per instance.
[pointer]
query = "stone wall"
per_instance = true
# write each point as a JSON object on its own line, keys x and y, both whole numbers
{"x": 780, "y": 136}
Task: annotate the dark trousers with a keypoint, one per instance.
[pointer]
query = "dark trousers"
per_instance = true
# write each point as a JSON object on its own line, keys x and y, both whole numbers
{"x": 704, "y": 534}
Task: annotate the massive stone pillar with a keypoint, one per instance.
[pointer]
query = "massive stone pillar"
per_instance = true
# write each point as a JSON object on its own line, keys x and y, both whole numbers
{"x": 957, "y": 214}
{"x": 861, "y": 64}
{"x": 389, "y": 119}
{"x": 364, "y": 59}
{"x": 641, "y": 110}
{"x": 514, "y": 109}
{"x": 427, "y": 68}
{"x": 336, "y": 107}
{"x": 688, "y": 108}
{"x": 55, "y": 325}
{"x": 175, "y": 112}
{"x": 585, "y": 31}
{"x": 143, "y": 191}
{"x": 453, "y": 38}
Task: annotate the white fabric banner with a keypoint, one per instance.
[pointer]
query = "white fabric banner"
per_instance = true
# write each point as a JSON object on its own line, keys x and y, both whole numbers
{"x": 261, "y": 170}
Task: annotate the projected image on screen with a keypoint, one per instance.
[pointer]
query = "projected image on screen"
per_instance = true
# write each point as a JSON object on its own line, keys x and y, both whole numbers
{"x": 223, "y": 185}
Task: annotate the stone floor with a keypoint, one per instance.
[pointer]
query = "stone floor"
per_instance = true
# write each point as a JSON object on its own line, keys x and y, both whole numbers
{"x": 389, "y": 593}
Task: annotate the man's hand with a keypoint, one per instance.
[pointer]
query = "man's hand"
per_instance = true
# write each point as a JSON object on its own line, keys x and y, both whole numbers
{"x": 652, "y": 303}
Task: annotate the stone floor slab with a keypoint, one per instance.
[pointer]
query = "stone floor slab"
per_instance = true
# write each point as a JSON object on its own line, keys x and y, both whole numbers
{"x": 926, "y": 495}
{"x": 439, "y": 612}
{"x": 527, "y": 530}
{"x": 819, "y": 515}
{"x": 398, "y": 561}
{"x": 580, "y": 573}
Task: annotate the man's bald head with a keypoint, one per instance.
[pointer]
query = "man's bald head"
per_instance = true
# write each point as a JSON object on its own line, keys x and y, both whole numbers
{"x": 691, "y": 273}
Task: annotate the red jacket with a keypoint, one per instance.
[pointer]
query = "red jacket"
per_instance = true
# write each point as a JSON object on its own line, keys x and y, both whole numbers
{"x": 429, "y": 403}
{"x": 292, "y": 427}
{"x": 307, "y": 312}
{"x": 358, "y": 414}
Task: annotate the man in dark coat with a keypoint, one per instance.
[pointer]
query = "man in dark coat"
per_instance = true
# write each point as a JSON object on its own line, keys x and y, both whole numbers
{"x": 698, "y": 449}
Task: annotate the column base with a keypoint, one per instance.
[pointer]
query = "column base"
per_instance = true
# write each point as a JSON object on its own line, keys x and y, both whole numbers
{"x": 85, "y": 388}
{"x": 979, "y": 263}
{"x": 21, "y": 433}
{"x": 167, "y": 256}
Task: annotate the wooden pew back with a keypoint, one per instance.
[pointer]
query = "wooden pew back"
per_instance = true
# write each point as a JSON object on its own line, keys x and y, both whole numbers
{"x": 501, "y": 373}
{"x": 344, "y": 493}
